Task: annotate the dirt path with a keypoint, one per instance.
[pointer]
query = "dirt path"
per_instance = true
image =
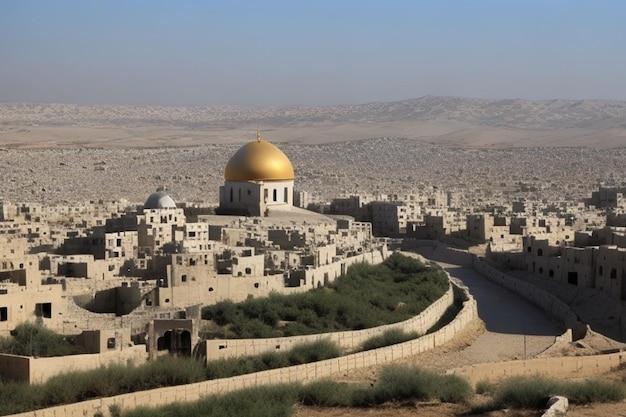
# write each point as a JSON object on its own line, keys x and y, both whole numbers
{"x": 508, "y": 328}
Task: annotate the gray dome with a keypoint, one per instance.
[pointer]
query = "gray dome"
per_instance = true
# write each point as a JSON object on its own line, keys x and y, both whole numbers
{"x": 159, "y": 200}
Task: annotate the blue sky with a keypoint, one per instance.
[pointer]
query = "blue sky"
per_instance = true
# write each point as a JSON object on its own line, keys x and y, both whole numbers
{"x": 315, "y": 52}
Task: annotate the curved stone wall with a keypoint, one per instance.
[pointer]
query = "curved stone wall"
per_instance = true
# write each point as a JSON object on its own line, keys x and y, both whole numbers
{"x": 535, "y": 295}
{"x": 301, "y": 373}
{"x": 347, "y": 341}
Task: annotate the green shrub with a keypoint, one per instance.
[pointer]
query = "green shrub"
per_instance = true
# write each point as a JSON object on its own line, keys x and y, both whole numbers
{"x": 594, "y": 391}
{"x": 530, "y": 392}
{"x": 398, "y": 383}
{"x": 104, "y": 382}
{"x": 17, "y": 397}
{"x": 366, "y": 296}
{"x": 524, "y": 392}
{"x": 299, "y": 354}
{"x": 266, "y": 401}
{"x": 484, "y": 387}
{"x": 388, "y": 338}
{"x": 313, "y": 352}
{"x": 451, "y": 389}
{"x": 115, "y": 410}
{"x": 327, "y": 393}
{"x": 33, "y": 339}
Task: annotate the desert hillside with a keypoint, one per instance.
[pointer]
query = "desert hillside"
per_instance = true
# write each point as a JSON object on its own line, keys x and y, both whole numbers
{"x": 450, "y": 121}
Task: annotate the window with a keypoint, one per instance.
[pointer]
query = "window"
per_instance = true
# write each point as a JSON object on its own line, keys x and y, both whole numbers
{"x": 286, "y": 194}
{"x": 43, "y": 310}
{"x": 572, "y": 278}
{"x": 4, "y": 313}
{"x": 275, "y": 195}
{"x": 600, "y": 271}
{"x": 183, "y": 278}
{"x": 613, "y": 273}
{"x": 210, "y": 289}
{"x": 540, "y": 252}
{"x": 248, "y": 271}
{"x": 256, "y": 285}
{"x": 111, "y": 343}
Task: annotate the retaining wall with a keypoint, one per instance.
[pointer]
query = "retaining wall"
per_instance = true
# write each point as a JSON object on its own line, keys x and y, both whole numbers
{"x": 557, "y": 367}
{"x": 349, "y": 340}
{"x": 38, "y": 370}
{"x": 535, "y": 295}
{"x": 439, "y": 252}
{"x": 301, "y": 373}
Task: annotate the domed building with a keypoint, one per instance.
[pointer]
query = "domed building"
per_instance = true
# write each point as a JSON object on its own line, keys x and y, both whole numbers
{"x": 159, "y": 223}
{"x": 258, "y": 178}
{"x": 159, "y": 200}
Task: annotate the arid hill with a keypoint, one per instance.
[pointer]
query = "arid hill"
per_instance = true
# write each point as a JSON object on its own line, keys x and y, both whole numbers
{"x": 450, "y": 121}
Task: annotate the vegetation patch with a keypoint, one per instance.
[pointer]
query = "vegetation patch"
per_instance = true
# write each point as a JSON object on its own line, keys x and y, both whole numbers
{"x": 532, "y": 392}
{"x": 33, "y": 339}
{"x": 266, "y": 401}
{"x": 17, "y": 397}
{"x": 366, "y": 296}
{"x": 279, "y": 400}
{"x": 299, "y": 354}
{"x": 388, "y": 338}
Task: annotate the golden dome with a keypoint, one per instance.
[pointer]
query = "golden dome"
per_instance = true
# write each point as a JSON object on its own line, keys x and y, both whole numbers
{"x": 259, "y": 161}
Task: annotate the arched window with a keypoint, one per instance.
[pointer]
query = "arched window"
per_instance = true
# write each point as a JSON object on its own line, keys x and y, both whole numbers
{"x": 275, "y": 194}
{"x": 540, "y": 252}
{"x": 286, "y": 195}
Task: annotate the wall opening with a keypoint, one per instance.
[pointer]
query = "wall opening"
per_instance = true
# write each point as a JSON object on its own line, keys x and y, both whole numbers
{"x": 43, "y": 310}
{"x": 572, "y": 278}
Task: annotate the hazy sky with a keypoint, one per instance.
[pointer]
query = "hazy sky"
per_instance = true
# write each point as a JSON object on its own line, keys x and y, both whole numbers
{"x": 309, "y": 52}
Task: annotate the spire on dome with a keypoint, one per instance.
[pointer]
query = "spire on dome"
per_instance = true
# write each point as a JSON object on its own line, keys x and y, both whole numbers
{"x": 258, "y": 134}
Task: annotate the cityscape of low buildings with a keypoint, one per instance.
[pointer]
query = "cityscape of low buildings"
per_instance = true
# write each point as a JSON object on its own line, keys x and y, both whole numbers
{"x": 118, "y": 275}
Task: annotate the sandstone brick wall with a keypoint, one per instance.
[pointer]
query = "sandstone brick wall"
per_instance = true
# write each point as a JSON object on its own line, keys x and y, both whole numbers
{"x": 558, "y": 367}
{"x": 349, "y": 340}
{"x": 543, "y": 299}
{"x": 301, "y": 373}
{"x": 38, "y": 370}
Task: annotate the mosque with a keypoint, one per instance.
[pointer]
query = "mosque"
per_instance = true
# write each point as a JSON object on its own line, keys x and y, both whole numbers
{"x": 258, "y": 178}
{"x": 120, "y": 273}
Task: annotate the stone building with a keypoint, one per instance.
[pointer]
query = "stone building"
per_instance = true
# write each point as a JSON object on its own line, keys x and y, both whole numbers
{"x": 258, "y": 178}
